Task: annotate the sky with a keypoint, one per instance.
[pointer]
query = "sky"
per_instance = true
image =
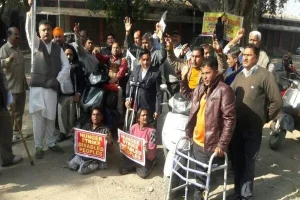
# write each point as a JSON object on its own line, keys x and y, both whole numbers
{"x": 291, "y": 9}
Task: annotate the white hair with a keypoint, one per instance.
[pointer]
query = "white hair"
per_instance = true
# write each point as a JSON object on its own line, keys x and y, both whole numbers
{"x": 256, "y": 33}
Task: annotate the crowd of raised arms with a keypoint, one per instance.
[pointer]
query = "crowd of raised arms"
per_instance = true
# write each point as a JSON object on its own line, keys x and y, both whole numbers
{"x": 232, "y": 92}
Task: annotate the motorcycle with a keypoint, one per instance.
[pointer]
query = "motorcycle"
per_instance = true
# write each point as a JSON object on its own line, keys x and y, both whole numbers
{"x": 289, "y": 117}
{"x": 174, "y": 130}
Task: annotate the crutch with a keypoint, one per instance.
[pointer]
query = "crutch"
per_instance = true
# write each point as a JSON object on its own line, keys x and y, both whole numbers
{"x": 76, "y": 104}
{"x": 131, "y": 110}
{"x": 21, "y": 134}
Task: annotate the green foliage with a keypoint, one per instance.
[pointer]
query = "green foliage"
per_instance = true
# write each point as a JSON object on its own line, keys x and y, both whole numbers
{"x": 118, "y": 9}
{"x": 271, "y": 6}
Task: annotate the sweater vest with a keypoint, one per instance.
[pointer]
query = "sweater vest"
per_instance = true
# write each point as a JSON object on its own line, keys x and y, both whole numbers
{"x": 114, "y": 67}
{"x": 47, "y": 66}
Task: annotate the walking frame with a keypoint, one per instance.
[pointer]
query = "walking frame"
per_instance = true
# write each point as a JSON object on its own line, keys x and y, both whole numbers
{"x": 130, "y": 112}
{"x": 185, "y": 152}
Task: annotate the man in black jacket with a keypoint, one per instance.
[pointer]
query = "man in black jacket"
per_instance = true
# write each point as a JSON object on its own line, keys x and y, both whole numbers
{"x": 149, "y": 79}
{"x": 67, "y": 102}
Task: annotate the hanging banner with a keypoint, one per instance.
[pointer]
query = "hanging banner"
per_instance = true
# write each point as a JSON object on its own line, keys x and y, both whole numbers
{"x": 132, "y": 147}
{"x": 232, "y": 23}
{"x": 90, "y": 145}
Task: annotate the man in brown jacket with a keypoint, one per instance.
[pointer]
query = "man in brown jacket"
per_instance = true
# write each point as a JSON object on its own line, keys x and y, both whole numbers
{"x": 212, "y": 118}
{"x": 255, "y": 90}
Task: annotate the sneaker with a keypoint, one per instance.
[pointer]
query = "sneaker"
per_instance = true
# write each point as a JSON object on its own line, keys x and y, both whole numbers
{"x": 233, "y": 196}
{"x": 102, "y": 165}
{"x": 123, "y": 171}
{"x": 39, "y": 153}
{"x": 61, "y": 137}
{"x": 88, "y": 167}
{"x": 17, "y": 159}
{"x": 57, "y": 148}
{"x": 17, "y": 136}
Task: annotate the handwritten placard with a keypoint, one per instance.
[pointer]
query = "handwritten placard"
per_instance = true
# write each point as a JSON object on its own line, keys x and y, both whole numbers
{"x": 132, "y": 147}
{"x": 90, "y": 145}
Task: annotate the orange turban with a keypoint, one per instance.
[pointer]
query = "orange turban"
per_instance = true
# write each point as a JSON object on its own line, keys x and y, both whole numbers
{"x": 58, "y": 32}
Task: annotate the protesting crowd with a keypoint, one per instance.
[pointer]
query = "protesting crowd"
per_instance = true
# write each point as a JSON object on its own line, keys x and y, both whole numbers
{"x": 231, "y": 91}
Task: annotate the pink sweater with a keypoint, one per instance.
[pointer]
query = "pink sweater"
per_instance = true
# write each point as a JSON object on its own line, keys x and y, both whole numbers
{"x": 149, "y": 135}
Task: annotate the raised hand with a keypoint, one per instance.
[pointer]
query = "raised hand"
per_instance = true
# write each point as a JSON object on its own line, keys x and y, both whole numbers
{"x": 240, "y": 33}
{"x": 127, "y": 24}
{"x": 77, "y": 29}
{"x": 185, "y": 48}
{"x": 217, "y": 47}
{"x": 168, "y": 41}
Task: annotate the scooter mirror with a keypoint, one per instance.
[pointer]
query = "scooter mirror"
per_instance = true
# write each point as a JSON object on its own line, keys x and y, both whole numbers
{"x": 163, "y": 87}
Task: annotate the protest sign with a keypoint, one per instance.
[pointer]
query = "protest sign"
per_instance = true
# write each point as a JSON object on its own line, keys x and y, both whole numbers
{"x": 231, "y": 25}
{"x": 90, "y": 145}
{"x": 132, "y": 147}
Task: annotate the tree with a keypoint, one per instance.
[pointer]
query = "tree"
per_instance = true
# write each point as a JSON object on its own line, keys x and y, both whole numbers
{"x": 118, "y": 9}
{"x": 251, "y": 10}
{"x": 9, "y": 11}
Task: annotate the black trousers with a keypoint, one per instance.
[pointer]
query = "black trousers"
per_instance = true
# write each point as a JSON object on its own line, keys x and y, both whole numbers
{"x": 6, "y": 133}
{"x": 173, "y": 88}
{"x": 203, "y": 156}
{"x": 245, "y": 147}
{"x": 141, "y": 171}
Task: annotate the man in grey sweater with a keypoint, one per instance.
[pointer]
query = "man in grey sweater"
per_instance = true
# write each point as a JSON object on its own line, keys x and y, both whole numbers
{"x": 12, "y": 62}
{"x": 258, "y": 100}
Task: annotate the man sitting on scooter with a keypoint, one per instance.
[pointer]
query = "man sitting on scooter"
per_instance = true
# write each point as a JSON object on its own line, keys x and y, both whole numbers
{"x": 212, "y": 118}
{"x": 143, "y": 130}
{"x": 88, "y": 165}
{"x": 117, "y": 69}
{"x": 149, "y": 95}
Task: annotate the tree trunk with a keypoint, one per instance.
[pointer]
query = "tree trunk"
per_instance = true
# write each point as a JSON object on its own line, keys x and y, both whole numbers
{"x": 2, "y": 24}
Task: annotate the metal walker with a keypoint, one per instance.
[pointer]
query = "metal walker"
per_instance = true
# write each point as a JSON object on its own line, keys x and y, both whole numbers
{"x": 184, "y": 151}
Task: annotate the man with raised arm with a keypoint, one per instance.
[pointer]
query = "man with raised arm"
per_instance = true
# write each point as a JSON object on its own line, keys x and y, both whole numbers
{"x": 254, "y": 38}
{"x": 51, "y": 68}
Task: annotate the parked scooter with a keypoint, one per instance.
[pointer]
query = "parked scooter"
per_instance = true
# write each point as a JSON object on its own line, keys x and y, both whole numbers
{"x": 174, "y": 130}
{"x": 289, "y": 117}
{"x": 93, "y": 96}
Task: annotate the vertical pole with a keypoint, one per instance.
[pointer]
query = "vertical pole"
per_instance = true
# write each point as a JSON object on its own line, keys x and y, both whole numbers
{"x": 33, "y": 32}
{"x": 59, "y": 13}
{"x": 194, "y": 21}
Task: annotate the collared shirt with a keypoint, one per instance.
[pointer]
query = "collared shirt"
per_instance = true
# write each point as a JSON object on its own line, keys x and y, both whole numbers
{"x": 248, "y": 73}
{"x": 144, "y": 72}
{"x": 43, "y": 99}
{"x": 14, "y": 69}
